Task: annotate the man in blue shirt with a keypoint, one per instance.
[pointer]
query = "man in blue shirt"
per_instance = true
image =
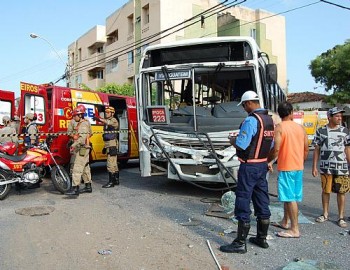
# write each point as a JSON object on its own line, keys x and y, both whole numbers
{"x": 253, "y": 145}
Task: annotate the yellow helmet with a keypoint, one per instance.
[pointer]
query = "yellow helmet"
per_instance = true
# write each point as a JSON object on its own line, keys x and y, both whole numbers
{"x": 110, "y": 109}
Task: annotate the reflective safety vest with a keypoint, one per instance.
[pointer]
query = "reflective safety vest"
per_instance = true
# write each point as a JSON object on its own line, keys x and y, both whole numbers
{"x": 260, "y": 145}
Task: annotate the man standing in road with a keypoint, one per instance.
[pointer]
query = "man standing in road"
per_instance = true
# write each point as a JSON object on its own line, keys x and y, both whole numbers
{"x": 291, "y": 148}
{"x": 332, "y": 147}
{"x": 253, "y": 145}
{"x": 110, "y": 139}
{"x": 81, "y": 150}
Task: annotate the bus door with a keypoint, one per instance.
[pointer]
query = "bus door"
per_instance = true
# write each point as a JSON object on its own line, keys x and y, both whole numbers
{"x": 34, "y": 100}
{"x": 7, "y": 104}
{"x": 94, "y": 103}
{"x": 125, "y": 112}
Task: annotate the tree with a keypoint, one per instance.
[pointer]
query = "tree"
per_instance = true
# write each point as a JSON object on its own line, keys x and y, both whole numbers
{"x": 332, "y": 70}
{"x": 113, "y": 88}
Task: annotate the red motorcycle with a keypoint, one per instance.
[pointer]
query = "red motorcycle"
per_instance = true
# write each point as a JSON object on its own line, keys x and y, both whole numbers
{"x": 28, "y": 168}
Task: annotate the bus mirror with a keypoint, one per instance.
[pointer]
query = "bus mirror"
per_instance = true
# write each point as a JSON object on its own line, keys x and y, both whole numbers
{"x": 271, "y": 73}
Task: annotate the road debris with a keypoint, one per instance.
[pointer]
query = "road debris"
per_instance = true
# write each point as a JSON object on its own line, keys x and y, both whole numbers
{"x": 105, "y": 252}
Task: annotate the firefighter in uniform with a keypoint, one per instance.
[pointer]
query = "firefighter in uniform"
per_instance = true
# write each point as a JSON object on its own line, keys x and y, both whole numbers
{"x": 80, "y": 150}
{"x": 86, "y": 177}
{"x": 111, "y": 125}
{"x": 253, "y": 145}
{"x": 31, "y": 130}
{"x": 7, "y": 131}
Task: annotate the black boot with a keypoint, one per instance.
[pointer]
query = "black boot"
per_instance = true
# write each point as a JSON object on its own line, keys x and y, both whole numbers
{"x": 111, "y": 181}
{"x": 87, "y": 188}
{"x": 116, "y": 178}
{"x": 73, "y": 191}
{"x": 261, "y": 233}
{"x": 239, "y": 244}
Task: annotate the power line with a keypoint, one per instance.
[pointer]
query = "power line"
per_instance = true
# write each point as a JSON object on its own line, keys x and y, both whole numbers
{"x": 142, "y": 41}
{"x": 276, "y": 14}
{"x": 119, "y": 53}
{"x": 334, "y": 4}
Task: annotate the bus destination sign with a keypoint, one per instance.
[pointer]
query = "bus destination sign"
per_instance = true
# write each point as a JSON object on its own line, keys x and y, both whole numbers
{"x": 173, "y": 75}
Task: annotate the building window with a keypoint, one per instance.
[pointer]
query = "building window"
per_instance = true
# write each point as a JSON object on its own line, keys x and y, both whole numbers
{"x": 99, "y": 74}
{"x": 130, "y": 57}
{"x": 112, "y": 66}
{"x": 79, "y": 55}
{"x": 131, "y": 24}
{"x": 113, "y": 37}
{"x": 100, "y": 49}
{"x": 253, "y": 33}
{"x": 145, "y": 14}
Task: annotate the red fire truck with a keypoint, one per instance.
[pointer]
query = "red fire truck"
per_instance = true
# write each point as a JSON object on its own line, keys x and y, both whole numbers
{"x": 53, "y": 106}
{"x": 7, "y": 104}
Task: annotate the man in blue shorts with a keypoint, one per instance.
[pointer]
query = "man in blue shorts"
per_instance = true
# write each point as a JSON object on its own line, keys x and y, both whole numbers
{"x": 291, "y": 148}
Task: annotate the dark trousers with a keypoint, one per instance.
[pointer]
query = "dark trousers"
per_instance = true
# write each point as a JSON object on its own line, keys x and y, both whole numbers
{"x": 252, "y": 186}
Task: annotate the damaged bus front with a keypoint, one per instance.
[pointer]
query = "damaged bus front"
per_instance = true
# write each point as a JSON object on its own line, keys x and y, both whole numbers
{"x": 187, "y": 97}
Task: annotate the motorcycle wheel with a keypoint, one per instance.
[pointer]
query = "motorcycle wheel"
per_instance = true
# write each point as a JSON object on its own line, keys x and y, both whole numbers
{"x": 4, "y": 189}
{"x": 61, "y": 182}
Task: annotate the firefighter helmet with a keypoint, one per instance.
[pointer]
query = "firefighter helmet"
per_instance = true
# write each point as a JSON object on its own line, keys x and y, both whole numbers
{"x": 82, "y": 108}
{"x": 78, "y": 110}
{"x": 6, "y": 119}
{"x": 110, "y": 109}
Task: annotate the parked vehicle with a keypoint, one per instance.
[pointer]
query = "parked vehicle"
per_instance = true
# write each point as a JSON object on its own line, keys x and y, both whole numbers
{"x": 28, "y": 168}
{"x": 7, "y": 104}
{"x": 53, "y": 106}
{"x": 187, "y": 96}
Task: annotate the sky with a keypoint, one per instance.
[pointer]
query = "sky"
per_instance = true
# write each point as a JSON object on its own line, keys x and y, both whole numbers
{"x": 309, "y": 32}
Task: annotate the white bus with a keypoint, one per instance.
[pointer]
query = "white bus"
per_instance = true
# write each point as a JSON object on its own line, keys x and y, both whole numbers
{"x": 187, "y": 94}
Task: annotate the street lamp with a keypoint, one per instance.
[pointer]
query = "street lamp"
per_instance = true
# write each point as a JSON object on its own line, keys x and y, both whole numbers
{"x": 66, "y": 75}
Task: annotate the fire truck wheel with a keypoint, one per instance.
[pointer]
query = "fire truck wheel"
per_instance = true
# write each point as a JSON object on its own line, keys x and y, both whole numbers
{"x": 4, "y": 189}
{"x": 60, "y": 179}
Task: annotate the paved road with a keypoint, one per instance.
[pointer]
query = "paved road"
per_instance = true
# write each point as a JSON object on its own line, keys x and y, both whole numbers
{"x": 140, "y": 222}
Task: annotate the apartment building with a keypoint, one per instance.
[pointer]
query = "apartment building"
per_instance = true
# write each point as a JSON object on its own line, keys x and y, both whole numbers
{"x": 111, "y": 53}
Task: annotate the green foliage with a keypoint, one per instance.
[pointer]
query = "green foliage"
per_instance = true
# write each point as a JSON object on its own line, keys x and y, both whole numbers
{"x": 113, "y": 88}
{"x": 84, "y": 87}
{"x": 332, "y": 70}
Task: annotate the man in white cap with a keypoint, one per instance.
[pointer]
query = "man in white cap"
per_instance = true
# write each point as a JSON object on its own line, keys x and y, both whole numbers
{"x": 332, "y": 147}
{"x": 253, "y": 145}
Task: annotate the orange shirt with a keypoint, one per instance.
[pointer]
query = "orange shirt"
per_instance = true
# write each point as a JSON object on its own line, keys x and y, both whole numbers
{"x": 291, "y": 152}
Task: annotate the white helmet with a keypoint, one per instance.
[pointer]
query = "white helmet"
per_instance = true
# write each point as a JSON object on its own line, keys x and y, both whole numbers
{"x": 249, "y": 95}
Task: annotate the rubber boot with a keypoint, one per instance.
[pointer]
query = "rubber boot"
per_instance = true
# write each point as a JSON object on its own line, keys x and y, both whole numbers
{"x": 261, "y": 233}
{"x": 74, "y": 191}
{"x": 111, "y": 181}
{"x": 87, "y": 188}
{"x": 239, "y": 244}
{"x": 116, "y": 178}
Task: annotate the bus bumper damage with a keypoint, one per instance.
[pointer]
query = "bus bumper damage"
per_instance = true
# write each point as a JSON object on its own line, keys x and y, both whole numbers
{"x": 190, "y": 156}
